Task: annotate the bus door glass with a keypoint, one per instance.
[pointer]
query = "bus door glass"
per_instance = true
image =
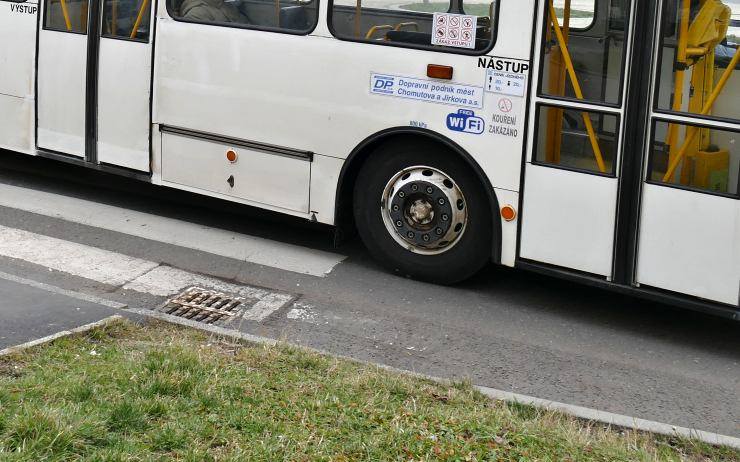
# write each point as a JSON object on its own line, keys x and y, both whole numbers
{"x": 689, "y": 238}
{"x": 94, "y": 75}
{"x": 571, "y": 175}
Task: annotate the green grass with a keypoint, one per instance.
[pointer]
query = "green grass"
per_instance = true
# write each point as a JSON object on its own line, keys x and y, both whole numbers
{"x": 158, "y": 393}
{"x": 479, "y": 9}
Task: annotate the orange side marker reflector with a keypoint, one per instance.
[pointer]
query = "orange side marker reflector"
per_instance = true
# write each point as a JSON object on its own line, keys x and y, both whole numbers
{"x": 231, "y": 156}
{"x": 437, "y": 71}
{"x": 508, "y": 213}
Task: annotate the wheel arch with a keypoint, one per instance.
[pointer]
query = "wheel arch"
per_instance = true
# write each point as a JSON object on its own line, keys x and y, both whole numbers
{"x": 353, "y": 164}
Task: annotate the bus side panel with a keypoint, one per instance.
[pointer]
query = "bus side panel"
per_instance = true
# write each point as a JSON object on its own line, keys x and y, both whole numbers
{"x": 17, "y": 57}
{"x": 313, "y": 93}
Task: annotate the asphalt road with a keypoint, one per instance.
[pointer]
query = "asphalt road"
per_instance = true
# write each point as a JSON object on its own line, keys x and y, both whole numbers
{"x": 504, "y": 329}
{"x": 28, "y": 313}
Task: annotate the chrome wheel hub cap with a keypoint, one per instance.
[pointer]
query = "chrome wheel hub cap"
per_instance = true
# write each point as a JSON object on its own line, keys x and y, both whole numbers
{"x": 424, "y": 210}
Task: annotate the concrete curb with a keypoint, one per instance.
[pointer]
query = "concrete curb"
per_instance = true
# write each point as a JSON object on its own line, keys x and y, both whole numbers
{"x": 58, "y": 335}
{"x": 595, "y": 415}
{"x": 616, "y": 420}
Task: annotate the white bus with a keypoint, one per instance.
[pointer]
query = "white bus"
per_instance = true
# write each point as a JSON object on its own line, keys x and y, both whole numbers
{"x": 589, "y": 139}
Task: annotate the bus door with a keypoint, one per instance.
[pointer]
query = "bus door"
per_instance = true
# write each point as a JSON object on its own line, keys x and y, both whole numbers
{"x": 94, "y": 80}
{"x": 689, "y": 233}
{"x": 575, "y": 145}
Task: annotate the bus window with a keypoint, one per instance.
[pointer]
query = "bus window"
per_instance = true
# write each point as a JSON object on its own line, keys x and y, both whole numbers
{"x": 706, "y": 159}
{"x": 298, "y": 16}
{"x": 408, "y": 22}
{"x": 581, "y": 13}
{"x": 565, "y": 140}
{"x": 127, "y": 19}
{"x": 594, "y": 41}
{"x": 699, "y": 44}
{"x": 66, "y": 15}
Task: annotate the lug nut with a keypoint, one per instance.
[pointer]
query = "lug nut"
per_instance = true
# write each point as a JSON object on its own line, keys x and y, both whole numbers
{"x": 414, "y": 187}
{"x": 438, "y": 231}
{"x": 401, "y": 194}
{"x": 410, "y": 234}
{"x": 399, "y": 223}
{"x": 396, "y": 208}
{"x": 445, "y": 217}
{"x": 426, "y": 238}
{"x": 429, "y": 190}
{"x": 441, "y": 201}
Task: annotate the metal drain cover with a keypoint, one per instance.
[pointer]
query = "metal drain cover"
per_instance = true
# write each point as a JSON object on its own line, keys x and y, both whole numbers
{"x": 203, "y": 305}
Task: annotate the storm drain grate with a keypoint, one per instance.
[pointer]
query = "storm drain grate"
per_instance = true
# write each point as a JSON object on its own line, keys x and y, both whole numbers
{"x": 203, "y": 305}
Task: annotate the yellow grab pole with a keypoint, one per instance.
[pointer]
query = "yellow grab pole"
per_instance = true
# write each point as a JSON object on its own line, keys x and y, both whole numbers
{"x": 114, "y": 19}
{"x": 65, "y": 13}
{"x": 683, "y": 40}
{"x": 557, "y": 87}
{"x": 693, "y": 131}
{"x": 358, "y": 15}
{"x": 139, "y": 18}
{"x": 577, "y": 88}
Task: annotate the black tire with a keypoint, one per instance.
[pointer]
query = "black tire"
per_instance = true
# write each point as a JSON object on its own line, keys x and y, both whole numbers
{"x": 469, "y": 254}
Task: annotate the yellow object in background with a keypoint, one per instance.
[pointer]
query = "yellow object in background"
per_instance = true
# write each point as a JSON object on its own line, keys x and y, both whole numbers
{"x": 709, "y": 27}
{"x": 711, "y": 170}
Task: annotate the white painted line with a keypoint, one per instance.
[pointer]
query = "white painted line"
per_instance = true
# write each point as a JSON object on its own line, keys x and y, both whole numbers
{"x": 64, "y": 333}
{"x": 81, "y": 260}
{"x": 65, "y": 292}
{"x": 171, "y": 231}
{"x": 575, "y": 411}
{"x": 118, "y": 270}
{"x": 266, "y": 306}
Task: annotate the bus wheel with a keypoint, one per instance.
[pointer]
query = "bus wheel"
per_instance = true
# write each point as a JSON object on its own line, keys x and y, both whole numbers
{"x": 423, "y": 213}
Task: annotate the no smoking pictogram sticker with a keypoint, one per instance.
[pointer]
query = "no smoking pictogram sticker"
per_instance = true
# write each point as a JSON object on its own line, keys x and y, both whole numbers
{"x": 505, "y": 105}
{"x": 453, "y": 30}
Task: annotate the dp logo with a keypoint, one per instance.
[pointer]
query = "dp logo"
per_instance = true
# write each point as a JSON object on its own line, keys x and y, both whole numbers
{"x": 383, "y": 84}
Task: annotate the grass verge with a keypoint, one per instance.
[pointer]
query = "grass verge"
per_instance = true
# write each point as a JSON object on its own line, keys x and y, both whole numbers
{"x": 161, "y": 392}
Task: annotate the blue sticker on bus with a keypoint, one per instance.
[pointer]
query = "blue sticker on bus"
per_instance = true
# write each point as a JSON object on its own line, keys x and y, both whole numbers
{"x": 466, "y": 121}
{"x": 430, "y": 91}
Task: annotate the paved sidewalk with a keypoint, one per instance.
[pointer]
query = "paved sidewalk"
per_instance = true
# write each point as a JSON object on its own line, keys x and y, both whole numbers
{"x": 28, "y": 313}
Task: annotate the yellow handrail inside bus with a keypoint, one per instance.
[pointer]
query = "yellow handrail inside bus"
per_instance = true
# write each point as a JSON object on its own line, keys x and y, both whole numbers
{"x": 65, "y": 13}
{"x": 139, "y": 18}
{"x": 114, "y": 18}
{"x": 374, "y": 29}
{"x": 696, "y": 43}
{"x": 401, "y": 25}
{"x": 358, "y": 14}
{"x": 557, "y": 87}
{"x": 683, "y": 37}
{"x": 576, "y": 88}
{"x": 693, "y": 131}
